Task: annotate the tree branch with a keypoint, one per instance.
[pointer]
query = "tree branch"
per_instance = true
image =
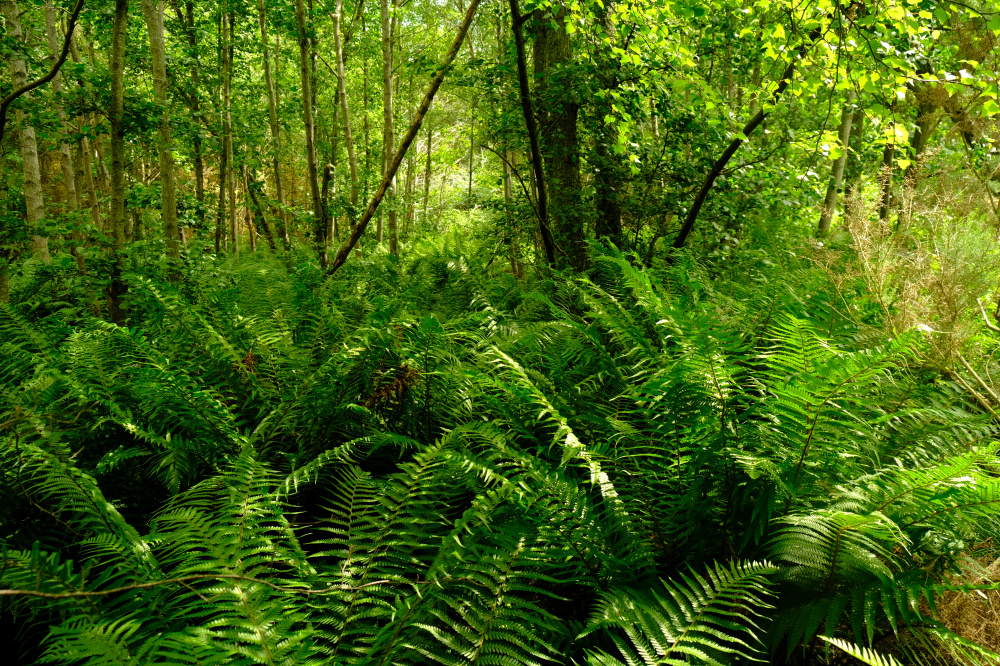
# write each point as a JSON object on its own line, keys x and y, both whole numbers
{"x": 397, "y": 160}
{"x": 9, "y": 99}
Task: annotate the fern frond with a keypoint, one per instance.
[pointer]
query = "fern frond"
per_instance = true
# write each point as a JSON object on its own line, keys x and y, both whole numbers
{"x": 863, "y": 654}
{"x": 700, "y": 617}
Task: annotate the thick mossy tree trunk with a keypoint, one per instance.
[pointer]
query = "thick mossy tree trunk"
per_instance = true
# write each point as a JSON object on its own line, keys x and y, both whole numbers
{"x": 319, "y": 232}
{"x": 31, "y": 166}
{"x": 837, "y": 169}
{"x": 152, "y": 11}
{"x": 559, "y": 141}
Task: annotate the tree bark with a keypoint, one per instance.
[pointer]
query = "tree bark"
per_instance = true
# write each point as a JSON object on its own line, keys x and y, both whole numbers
{"x": 560, "y": 145}
{"x": 307, "y": 115}
{"x": 65, "y": 155}
{"x": 608, "y": 170}
{"x": 538, "y": 177}
{"x": 227, "y": 128}
{"x": 418, "y": 118}
{"x": 388, "y": 120}
{"x": 116, "y": 116}
{"x": 427, "y": 172}
{"x": 272, "y": 115}
{"x": 153, "y": 13}
{"x": 84, "y": 156}
{"x": 34, "y": 199}
{"x": 837, "y": 171}
{"x": 260, "y": 218}
{"x": 352, "y": 159}
{"x": 187, "y": 20}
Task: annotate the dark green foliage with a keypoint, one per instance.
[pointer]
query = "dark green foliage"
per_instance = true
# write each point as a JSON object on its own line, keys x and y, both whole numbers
{"x": 419, "y": 462}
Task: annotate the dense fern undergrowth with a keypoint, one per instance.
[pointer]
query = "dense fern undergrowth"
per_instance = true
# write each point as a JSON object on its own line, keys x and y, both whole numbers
{"x": 428, "y": 461}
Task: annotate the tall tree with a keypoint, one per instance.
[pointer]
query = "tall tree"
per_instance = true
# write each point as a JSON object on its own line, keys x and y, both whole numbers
{"x": 537, "y": 172}
{"x": 837, "y": 170}
{"x": 227, "y": 126}
{"x": 31, "y": 167}
{"x": 559, "y": 140}
{"x": 272, "y": 115}
{"x": 388, "y": 120}
{"x": 65, "y": 154}
{"x": 116, "y": 116}
{"x": 153, "y": 13}
{"x": 319, "y": 232}
{"x": 352, "y": 159}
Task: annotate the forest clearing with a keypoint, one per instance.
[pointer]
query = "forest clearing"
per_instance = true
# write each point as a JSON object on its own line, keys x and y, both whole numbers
{"x": 604, "y": 332}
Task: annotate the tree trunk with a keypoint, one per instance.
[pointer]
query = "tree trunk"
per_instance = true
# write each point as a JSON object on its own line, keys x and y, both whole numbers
{"x": 84, "y": 156}
{"x": 220, "y": 214}
{"x": 65, "y": 155}
{"x": 34, "y": 199}
{"x": 272, "y": 115}
{"x": 560, "y": 145}
{"x": 153, "y": 13}
{"x": 388, "y": 120}
{"x": 187, "y": 20}
{"x": 888, "y": 156}
{"x": 514, "y": 245}
{"x": 608, "y": 181}
{"x": 116, "y": 116}
{"x": 368, "y": 152}
{"x": 837, "y": 171}
{"x": 472, "y": 150}
{"x": 260, "y": 218}
{"x": 427, "y": 172}
{"x": 352, "y": 159}
{"x": 319, "y": 231}
{"x": 227, "y": 84}
{"x": 537, "y": 175}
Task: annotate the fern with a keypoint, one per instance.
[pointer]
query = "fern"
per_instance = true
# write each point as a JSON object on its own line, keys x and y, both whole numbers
{"x": 701, "y": 618}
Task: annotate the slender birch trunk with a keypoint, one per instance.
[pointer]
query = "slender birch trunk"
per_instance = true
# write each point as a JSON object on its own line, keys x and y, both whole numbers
{"x": 388, "y": 120}
{"x": 307, "y": 115}
{"x": 84, "y": 156}
{"x": 153, "y": 13}
{"x": 65, "y": 155}
{"x": 272, "y": 115}
{"x": 34, "y": 199}
{"x": 837, "y": 170}
{"x": 227, "y": 84}
{"x": 427, "y": 172}
{"x": 352, "y": 159}
{"x": 116, "y": 116}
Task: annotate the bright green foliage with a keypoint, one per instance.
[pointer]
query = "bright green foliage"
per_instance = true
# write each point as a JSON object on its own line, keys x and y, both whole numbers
{"x": 701, "y": 619}
{"x": 420, "y": 462}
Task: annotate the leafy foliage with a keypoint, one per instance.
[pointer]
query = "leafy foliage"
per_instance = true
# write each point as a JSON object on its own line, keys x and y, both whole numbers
{"x": 386, "y": 469}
